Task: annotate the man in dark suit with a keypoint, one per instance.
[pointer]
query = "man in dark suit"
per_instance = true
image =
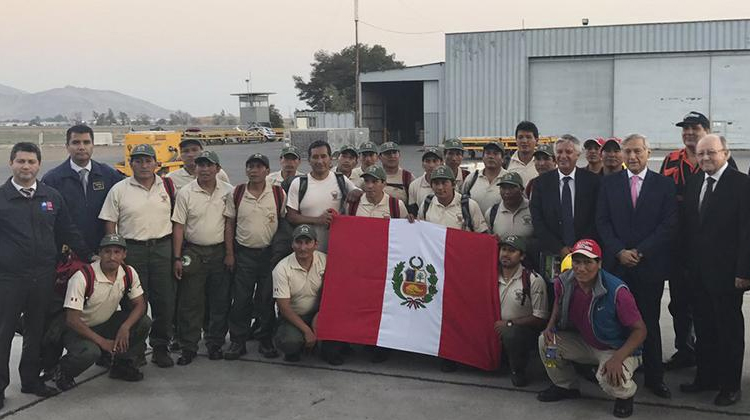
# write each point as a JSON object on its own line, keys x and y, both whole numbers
{"x": 717, "y": 217}
{"x": 563, "y": 205}
{"x": 637, "y": 220}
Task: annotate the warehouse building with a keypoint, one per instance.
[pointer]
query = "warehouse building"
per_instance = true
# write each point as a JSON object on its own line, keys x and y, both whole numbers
{"x": 588, "y": 80}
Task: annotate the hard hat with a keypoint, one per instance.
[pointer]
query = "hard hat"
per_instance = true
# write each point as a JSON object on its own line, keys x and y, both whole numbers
{"x": 566, "y": 264}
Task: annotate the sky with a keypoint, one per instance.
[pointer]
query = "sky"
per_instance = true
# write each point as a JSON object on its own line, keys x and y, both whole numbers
{"x": 191, "y": 55}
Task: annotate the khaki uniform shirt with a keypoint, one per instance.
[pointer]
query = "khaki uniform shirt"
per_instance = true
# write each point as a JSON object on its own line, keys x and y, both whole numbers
{"x": 356, "y": 177}
{"x": 451, "y": 215}
{"x": 526, "y": 170}
{"x": 380, "y": 210}
{"x": 301, "y": 287}
{"x": 486, "y": 194}
{"x": 395, "y": 186}
{"x": 276, "y": 179}
{"x": 140, "y": 214}
{"x": 105, "y": 298}
{"x": 512, "y": 223}
{"x": 202, "y": 213}
{"x": 419, "y": 189}
{"x": 182, "y": 177}
{"x": 511, "y": 296}
{"x": 257, "y": 220}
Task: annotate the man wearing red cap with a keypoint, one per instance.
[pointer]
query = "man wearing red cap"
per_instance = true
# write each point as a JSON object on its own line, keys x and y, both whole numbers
{"x": 593, "y": 147}
{"x": 594, "y": 321}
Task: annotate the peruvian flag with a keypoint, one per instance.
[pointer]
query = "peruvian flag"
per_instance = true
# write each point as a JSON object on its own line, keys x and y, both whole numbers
{"x": 418, "y": 287}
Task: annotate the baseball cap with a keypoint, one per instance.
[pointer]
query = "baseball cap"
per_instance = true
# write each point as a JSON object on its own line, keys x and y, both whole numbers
{"x": 694, "y": 118}
{"x": 388, "y": 146}
{"x": 258, "y": 157}
{"x": 494, "y": 144}
{"x": 113, "y": 239}
{"x": 517, "y": 242}
{"x": 512, "y": 178}
{"x": 210, "y": 156}
{"x": 453, "y": 144}
{"x": 545, "y": 149}
{"x": 290, "y": 150}
{"x": 431, "y": 150}
{"x": 304, "y": 231}
{"x": 368, "y": 147}
{"x": 375, "y": 171}
{"x": 597, "y": 141}
{"x": 185, "y": 142}
{"x": 348, "y": 148}
{"x": 588, "y": 248}
{"x": 143, "y": 150}
{"x": 442, "y": 172}
{"x": 612, "y": 140}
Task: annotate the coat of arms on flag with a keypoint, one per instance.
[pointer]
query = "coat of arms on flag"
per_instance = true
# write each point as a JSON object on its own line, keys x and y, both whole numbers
{"x": 418, "y": 287}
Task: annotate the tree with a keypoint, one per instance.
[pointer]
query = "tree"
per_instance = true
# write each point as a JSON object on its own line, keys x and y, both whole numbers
{"x": 332, "y": 79}
{"x": 161, "y": 121}
{"x": 124, "y": 119}
{"x": 143, "y": 119}
{"x": 110, "y": 119}
{"x": 180, "y": 118}
{"x": 277, "y": 120}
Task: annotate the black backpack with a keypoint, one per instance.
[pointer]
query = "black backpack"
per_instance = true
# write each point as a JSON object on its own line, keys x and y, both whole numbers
{"x": 464, "y": 209}
{"x": 339, "y": 180}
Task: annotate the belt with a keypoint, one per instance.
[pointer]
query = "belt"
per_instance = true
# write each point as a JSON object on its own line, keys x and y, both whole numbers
{"x": 192, "y": 245}
{"x": 149, "y": 242}
{"x": 251, "y": 249}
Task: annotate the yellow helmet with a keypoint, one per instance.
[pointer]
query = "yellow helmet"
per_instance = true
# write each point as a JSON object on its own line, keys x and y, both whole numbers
{"x": 566, "y": 264}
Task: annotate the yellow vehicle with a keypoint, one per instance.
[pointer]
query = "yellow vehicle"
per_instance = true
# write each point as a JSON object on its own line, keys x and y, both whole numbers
{"x": 165, "y": 143}
{"x": 474, "y": 145}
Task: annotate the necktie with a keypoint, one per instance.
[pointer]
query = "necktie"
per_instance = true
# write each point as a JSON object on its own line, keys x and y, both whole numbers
{"x": 566, "y": 201}
{"x": 634, "y": 188}
{"x": 707, "y": 195}
{"x": 83, "y": 175}
{"x": 27, "y": 192}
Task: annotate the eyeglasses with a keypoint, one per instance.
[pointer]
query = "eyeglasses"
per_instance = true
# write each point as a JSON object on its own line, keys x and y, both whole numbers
{"x": 709, "y": 153}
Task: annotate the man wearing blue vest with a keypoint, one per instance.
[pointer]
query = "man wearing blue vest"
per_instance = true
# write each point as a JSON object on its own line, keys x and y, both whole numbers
{"x": 594, "y": 321}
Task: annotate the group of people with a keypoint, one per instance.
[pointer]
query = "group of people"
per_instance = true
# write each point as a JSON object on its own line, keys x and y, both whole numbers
{"x": 210, "y": 258}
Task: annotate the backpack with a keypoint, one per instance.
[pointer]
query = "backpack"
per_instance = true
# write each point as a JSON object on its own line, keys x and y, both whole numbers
{"x": 393, "y": 208}
{"x": 469, "y": 185}
{"x": 493, "y": 215}
{"x": 469, "y": 222}
{"x": 339, "y": 180}
{"x": 406, "y": 179}
{"x": 525, "y": 284}
{"x": 171, "y": 190}
{"x": 61, "y": 283}
{"x": 278, "y": 197}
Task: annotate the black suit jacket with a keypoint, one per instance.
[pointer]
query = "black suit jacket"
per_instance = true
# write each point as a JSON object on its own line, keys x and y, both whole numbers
{"x": 650, "y": 227}
{"x": 719, "y": 243}
{"x": 546, "y": 211}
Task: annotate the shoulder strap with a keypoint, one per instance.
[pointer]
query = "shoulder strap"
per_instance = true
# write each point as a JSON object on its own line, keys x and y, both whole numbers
{"x": 169, "y": 187}
{"x": 239, "y": 192}
{"x": 278, "y": 197}
{"x": 394, "y": 208}
{"x": 526, "y": 284}
{"x": 344, "y": 191}
{"x": 493, "y": 215}
{"x": 89, "y": 276}
{"x": 464, "y": 172}
{"x": 302, "y": 189}
{"x": 466, "y": 213}
{"x": 468, "y": 186}
{"x": 426, "y": 205}
{"x": 128, "y": 278}
{"x": 406, "y": 178}
{"x": 353, "y": 208}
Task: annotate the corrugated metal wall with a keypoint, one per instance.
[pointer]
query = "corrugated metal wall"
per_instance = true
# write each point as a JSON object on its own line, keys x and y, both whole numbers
{"x": 486, "y": 73}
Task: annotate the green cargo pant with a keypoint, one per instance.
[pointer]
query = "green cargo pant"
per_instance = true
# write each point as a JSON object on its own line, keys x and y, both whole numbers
{"x": 288, "y": 338}
{"x": 82, "y": 352}
{"x": 252, "y": 276}
{"x": 518, "y": 343}
{"x": 205, "y": 277}
{"x": 152, "y": 261}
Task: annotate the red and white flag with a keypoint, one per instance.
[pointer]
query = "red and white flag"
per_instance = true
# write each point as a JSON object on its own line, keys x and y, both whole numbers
{"x": 418, "y": 287}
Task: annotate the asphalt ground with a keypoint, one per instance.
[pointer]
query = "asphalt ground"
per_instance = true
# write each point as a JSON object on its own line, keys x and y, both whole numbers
{"x": 406, "y": 386}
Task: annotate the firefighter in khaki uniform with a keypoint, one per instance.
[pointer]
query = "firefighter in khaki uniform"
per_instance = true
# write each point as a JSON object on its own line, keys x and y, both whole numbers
{"x": 420, "y": 188}
{"x": 201, "y": 265}
{"x": 289, "y": 161}
{"x": 483, "y": 185}
{"x": 446, "y": 208}
{"x": 375, "y": 202}
{"x": 368, "y": 153}
{"x": 397, "y": 184}
{"x": 189, "y": 150}
{"x": 139, "y": 208}
{"x": 253, "y": 225}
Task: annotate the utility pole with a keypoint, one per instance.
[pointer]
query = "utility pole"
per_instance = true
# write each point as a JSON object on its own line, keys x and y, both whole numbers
{"x": 357, "y": 90}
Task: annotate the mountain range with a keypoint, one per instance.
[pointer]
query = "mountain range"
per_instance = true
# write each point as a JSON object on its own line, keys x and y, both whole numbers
{"x": 71, "y": 101}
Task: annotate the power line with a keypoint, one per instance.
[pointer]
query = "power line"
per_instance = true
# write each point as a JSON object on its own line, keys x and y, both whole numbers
{"x": 400, "y": 32}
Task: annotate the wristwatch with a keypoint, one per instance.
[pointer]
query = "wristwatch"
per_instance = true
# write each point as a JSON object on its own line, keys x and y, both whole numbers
{"x": 509, "y": 323}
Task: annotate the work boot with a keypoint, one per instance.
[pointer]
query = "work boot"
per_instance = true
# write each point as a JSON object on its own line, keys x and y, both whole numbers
{"x": 379, "y": 355}
{"x": 125, "y": 371}
{"x": 186, "y": 357}
{"x": 623, "y": 407}
{"x": 680, "y": 360}
{"x": 104, "y": 360}
{"x": 235, "y": 350}
{"x": 161, "y": 357}
{"x": 267, "y": 349}
{"x": 518, "y": 378}
{"x": 556, "y": 393}
{"x": 64, "y": 381}
{"x": 215, "y": 353}
{"x": 292, "y": 357}
{"x": 448, "y": 366}
{"x": 174, "y": 346}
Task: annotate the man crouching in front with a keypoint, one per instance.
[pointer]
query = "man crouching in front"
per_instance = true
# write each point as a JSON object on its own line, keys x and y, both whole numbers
{"x": 594, "y": 321}
{"x": 94, "y": 323}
